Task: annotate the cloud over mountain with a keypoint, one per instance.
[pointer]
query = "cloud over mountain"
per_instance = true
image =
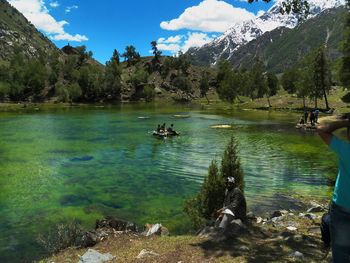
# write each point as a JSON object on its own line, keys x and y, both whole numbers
{"x": 37, "y": 13}
{"x": 208, "y": 16}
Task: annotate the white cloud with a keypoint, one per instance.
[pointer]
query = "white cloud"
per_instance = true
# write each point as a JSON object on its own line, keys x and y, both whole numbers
{"x": 195, "y": 39}
{"x": 37, "y": 13}
{"x": 173, "y": 48}
{"x": 182, "y": 43}
{"x": 208, "y": 16}
{"x": 70, "y": 8}
{"x": 169, "y": 40}
{"x": 54, "y": 4}
{"x": 68, "y": 37}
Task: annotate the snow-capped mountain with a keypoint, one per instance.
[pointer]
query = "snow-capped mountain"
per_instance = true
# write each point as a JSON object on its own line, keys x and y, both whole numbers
{"x": 242, "y": 33}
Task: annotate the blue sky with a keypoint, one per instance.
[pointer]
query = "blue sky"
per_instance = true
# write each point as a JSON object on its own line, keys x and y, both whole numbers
{"x": 112, "y": 24}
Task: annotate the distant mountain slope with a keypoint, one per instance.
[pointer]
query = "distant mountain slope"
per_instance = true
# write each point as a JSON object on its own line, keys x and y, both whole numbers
{"x": 283, "y": 47}
{"x": 240, "y": 34}
{"x": 18, "y": 34}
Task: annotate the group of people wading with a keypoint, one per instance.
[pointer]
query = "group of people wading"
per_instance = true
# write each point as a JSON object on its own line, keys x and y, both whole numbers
{"x": 311, "y": 116}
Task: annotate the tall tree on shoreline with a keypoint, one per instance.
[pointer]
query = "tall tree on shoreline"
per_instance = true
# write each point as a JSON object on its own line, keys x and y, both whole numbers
{"x": 257, "y": 84}
{"x": 112, "y": 79}
{"x": 272, "y": 86}
{"x": 322, "y": 77}
{"x": 204, "y": 85}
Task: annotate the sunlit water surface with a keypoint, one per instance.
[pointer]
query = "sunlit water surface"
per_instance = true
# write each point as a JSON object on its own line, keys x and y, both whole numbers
{"x": 64, "y": 164}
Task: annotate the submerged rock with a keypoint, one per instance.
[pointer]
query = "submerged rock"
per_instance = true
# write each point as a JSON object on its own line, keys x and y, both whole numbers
{"x": 82, "y": 159}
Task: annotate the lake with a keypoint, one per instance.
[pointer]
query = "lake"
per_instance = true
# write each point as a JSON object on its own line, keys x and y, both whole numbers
{"x": 57, "y": 165}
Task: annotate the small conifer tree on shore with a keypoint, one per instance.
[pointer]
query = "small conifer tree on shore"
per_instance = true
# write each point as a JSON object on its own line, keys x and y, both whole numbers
{"x": 201, "y": 208}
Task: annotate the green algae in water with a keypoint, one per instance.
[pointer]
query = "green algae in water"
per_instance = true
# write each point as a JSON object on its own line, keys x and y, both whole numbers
{"x": 61, "y": 165}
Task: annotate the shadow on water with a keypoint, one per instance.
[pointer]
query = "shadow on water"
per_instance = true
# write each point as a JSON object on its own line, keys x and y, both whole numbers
{"x": 277, "y": 202}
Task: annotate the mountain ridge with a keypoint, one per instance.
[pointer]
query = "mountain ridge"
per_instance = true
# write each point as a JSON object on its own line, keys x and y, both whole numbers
{"x": 18, "y": 34}
{"x": 224, "y": 46}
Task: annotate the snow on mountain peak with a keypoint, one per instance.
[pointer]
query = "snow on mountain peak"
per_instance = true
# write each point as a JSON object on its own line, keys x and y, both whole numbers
{"x": 247, "y": 31}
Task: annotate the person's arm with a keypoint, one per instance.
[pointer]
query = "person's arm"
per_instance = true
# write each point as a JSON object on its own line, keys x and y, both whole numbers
{"x": 325, "y": 130}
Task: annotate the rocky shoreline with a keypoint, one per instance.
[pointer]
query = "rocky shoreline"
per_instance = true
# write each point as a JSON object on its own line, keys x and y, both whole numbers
{"x": 280, "y": 236}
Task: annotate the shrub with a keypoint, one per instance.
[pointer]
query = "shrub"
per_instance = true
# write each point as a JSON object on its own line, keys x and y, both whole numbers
{"x": 210, "y": 198}
{"x": 4, "y": 90}
{"x": 61, "y": 236}
{"x": 149, "y": 92}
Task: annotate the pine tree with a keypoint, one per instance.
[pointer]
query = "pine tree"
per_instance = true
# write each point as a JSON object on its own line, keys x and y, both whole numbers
{"x": 116, "y": 56}
{"x": 211, "y": 195}
{"x": 272, "y": 86}
{"x": 112, "y": 80}
{"x": 130, "y": 55}
{"x": 304, "y": 84}
{"x": 204, "y": 85}
{"x": 157, "y": 53}
{"x": 322, "y": 77}
{"x": 289, "y": 79}
{"x": 230, "y": 164}
{"x": 258, "y": 85}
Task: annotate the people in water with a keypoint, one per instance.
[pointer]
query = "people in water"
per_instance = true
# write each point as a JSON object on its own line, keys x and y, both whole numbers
{"x": 170, "y": 130}
{"x": 311, "y": 115}
{"x": 305, "y": 116}
{"x": 162, "y": 128}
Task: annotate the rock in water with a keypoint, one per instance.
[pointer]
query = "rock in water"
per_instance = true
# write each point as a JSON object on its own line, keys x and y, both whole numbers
{"x": 93, "y": 256}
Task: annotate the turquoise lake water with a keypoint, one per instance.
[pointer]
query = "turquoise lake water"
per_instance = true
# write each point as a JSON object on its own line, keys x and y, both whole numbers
{"x": 85, "y": 163}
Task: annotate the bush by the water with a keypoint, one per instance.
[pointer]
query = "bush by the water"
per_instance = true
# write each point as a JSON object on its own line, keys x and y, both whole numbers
{"x": 200, "y": 208}
{"x": 61, "y": 236}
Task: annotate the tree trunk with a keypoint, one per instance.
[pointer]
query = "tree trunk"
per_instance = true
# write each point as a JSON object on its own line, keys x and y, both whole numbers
{"x": 268, "y": 100}
{"x": 325, "y": 99}
{"x": 207, "y": 98}
{"x": 315, "y": 102}
{"x": 304, "y": 102}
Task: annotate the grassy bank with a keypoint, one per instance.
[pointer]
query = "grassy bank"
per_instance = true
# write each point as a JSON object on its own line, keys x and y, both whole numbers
{"x": 280, "y": 102}
{"x": 267, "y": 241}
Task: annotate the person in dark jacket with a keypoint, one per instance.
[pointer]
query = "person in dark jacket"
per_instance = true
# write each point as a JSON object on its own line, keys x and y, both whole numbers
{"x": 234, "y": 207}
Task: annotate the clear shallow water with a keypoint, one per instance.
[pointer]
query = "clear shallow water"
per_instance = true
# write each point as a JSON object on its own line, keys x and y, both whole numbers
{"x": 65, "y": 164}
